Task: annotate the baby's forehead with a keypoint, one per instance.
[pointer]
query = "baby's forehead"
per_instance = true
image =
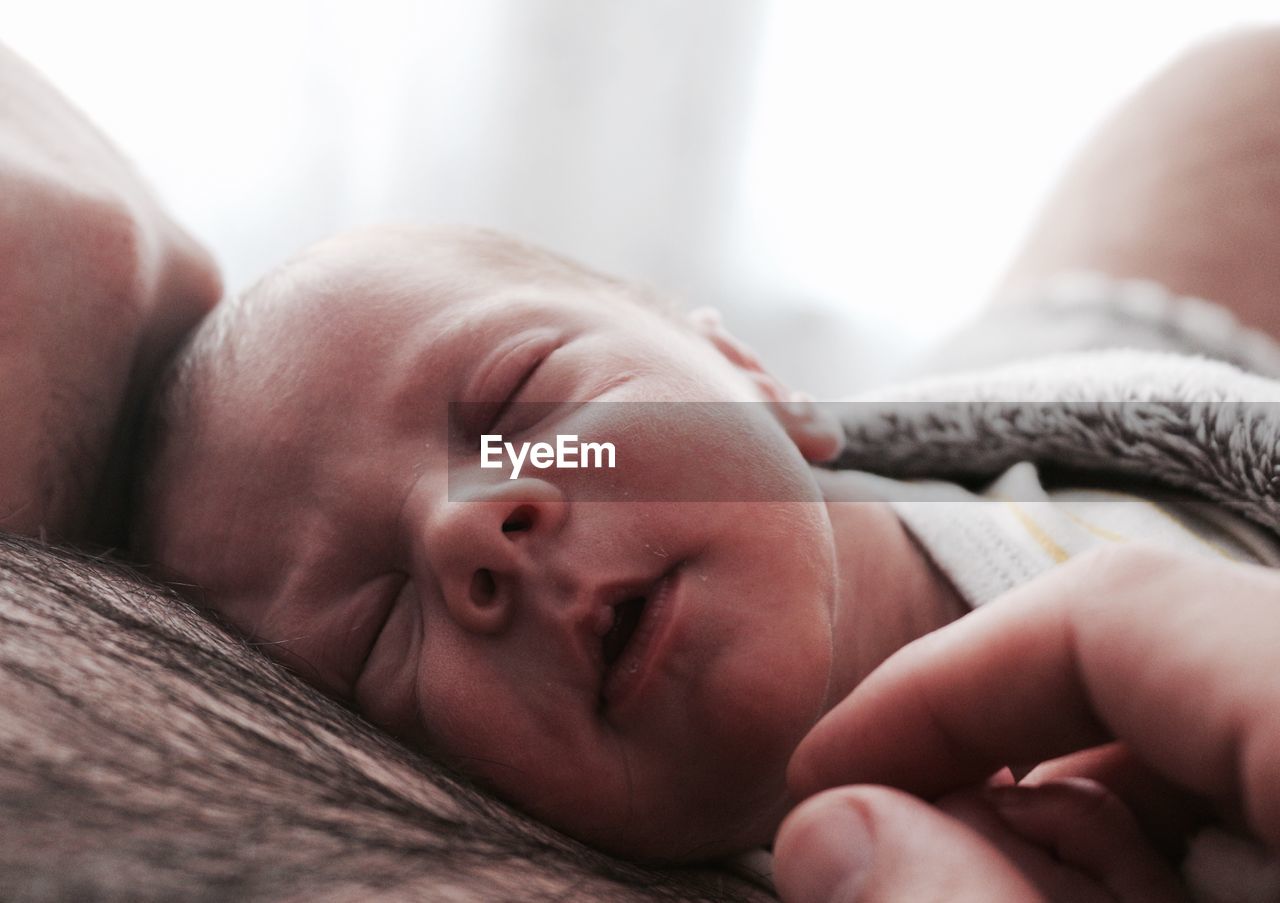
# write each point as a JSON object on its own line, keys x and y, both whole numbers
{"x": 375, "y": 273}
{"x": 379, "y": 302}
{"x": 356, "y": 311}
{"x": 359, "y": 268}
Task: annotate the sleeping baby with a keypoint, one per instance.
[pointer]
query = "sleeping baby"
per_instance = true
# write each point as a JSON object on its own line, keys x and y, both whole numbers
{"x": 623, "y": 652}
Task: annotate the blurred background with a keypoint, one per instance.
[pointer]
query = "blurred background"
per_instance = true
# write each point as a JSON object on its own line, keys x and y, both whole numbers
{"x": 844, "y": 180}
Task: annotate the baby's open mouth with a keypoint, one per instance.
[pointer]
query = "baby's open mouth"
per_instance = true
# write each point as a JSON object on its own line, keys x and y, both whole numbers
{"x": 626, "y": 617}
{"x": 636, "y": 624}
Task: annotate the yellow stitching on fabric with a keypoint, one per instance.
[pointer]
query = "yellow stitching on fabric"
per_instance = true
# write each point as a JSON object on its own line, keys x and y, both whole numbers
{"x": 1045, "y": 541}
{"x": 1100, "y": 532}
{"x": 1213, "y": 546}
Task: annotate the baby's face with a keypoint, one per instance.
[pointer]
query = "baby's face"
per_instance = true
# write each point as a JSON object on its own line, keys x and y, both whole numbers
{"x": 313, "y": 508}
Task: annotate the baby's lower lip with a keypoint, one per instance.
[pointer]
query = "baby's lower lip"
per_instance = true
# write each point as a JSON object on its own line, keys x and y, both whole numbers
{"x": 626, "y": 679}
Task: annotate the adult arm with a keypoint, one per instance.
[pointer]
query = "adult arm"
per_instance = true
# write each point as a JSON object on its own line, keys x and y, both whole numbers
{"x": 1181, "y": 184}
{"x": 97, "y": 285}
{"x": 1174, "y": 657}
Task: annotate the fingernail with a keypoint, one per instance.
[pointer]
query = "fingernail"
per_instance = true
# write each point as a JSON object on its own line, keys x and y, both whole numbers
{"x": 838, "y": 860}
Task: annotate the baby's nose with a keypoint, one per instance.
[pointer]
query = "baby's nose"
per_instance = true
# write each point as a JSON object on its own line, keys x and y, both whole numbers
{"x": 483, "y": 549}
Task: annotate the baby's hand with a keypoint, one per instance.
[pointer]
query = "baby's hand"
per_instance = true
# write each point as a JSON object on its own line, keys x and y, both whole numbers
{"x": 1072, "y": 838}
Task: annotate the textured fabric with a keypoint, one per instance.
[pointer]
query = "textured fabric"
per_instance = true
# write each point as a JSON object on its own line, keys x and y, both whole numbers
{"x": 990, "y": 541}
{"x": 1179, "y": 421}
{"x": 1183, "y": 423}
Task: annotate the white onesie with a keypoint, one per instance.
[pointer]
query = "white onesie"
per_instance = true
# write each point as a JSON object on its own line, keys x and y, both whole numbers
{"x": 990, "y": 541}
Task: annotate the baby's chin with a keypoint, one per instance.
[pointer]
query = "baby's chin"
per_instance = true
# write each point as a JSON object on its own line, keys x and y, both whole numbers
{"x": 731, "y": 806}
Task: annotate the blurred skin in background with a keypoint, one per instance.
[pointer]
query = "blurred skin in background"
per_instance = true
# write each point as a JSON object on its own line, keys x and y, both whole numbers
{"x": 99, "y": 287}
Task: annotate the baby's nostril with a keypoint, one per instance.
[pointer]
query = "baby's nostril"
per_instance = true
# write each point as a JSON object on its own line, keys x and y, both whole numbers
{"x": 519, "y": 520}
{"x": 483, "y": 587}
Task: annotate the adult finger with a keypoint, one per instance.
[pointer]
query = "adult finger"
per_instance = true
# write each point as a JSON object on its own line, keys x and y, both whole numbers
{"x": 875, "y": 844}
{"x": 1175, "y": 656}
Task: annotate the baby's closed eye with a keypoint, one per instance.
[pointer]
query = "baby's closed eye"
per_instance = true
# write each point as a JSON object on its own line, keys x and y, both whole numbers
{"x": 502, "y": 381}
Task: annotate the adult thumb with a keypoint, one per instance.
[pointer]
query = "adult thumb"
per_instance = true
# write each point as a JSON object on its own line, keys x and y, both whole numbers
{"x": 873, "y": 844}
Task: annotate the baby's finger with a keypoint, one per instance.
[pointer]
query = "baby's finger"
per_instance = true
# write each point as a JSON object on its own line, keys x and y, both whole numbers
{"x": 871, "y": 844}
{"x": 1175, "y": 656}
{"x": 1081, "y": 823}
{"x": 1056, "y": 878}
{"x": 1168, "y": 815}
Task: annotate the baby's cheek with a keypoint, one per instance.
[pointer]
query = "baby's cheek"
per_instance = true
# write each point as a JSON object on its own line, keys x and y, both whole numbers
{"x": 386, "y": 691}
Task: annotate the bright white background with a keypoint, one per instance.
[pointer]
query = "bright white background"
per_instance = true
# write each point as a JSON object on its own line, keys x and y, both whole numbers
{"x": 845, "y": 179}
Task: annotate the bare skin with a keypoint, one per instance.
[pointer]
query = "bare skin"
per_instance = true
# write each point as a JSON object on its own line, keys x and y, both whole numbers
{"x": 99, "y": 285}
{"x": 1180, "y": 185}
{"x": 877, "y": 559}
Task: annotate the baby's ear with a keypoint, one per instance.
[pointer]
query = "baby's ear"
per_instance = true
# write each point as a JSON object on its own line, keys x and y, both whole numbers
{"x": 815, "y": 431}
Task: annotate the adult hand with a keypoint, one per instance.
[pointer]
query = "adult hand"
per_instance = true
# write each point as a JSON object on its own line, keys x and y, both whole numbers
{"x": 1173, "y": 657}
{"x": 97, "y": 285}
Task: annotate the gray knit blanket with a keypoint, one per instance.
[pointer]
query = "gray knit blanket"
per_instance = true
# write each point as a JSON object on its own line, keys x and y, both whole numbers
{"x": 1185, "y": 422}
